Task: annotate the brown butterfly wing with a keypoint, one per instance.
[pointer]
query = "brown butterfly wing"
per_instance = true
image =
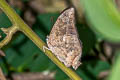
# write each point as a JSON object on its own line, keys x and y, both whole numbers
{"x": 63, "y": 39}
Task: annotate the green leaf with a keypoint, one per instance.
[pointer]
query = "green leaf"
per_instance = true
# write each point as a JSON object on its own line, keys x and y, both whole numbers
{"x": 41, "y": 63}
{"x": 4, "y": 21}
{"x": 83, "y": 75}
{"x": 46, "y": 21}
{"x": 115, "y": 73}
{"x": 60, "y": 75}
{"x": 3, "y": 66}
{"x": 87, "y": 38}
{"x": 98, "y": 67}
{"x": 104, "y": 18}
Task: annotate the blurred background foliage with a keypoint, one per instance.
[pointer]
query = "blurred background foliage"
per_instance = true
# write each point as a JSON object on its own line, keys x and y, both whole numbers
{"x": 98, "y": 25}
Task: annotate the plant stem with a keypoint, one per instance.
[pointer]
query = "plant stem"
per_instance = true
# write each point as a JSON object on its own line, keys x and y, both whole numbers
{"x": 16, "y": 20}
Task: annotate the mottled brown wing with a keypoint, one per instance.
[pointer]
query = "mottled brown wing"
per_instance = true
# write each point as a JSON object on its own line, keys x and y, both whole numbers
{"x": 63, "y": 39}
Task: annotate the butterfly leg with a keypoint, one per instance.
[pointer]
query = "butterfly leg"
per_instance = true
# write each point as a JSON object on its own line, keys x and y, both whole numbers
{"x": 44, "y": 47}
{"x": 76, "y": 63}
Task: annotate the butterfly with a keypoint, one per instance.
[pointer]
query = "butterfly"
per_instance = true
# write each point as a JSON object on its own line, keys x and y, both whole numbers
{"x": 63, "y": 40}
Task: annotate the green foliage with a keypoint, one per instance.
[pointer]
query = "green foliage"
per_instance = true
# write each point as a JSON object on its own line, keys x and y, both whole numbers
{"x": 4, "y": 21}
{"x": 116, "y": 69}
{"x": 87, "y": 37}
{"x": 22, "y": 55}
{"x": 104, "y": 18}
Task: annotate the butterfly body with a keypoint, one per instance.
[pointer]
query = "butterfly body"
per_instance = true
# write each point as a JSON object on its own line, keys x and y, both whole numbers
{"x": 63, "y": 40}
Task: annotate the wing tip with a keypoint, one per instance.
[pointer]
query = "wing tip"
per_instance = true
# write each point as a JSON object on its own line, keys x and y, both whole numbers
{"x": 69, "y": 9}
